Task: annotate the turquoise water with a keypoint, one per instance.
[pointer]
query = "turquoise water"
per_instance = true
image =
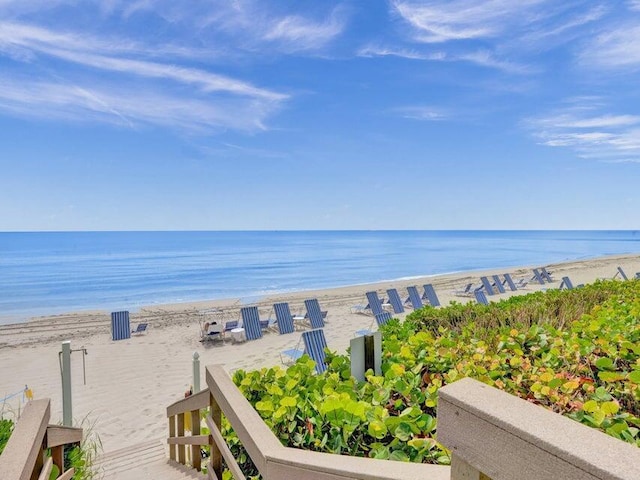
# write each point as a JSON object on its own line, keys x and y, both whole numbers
{"x": 49, "y": 273}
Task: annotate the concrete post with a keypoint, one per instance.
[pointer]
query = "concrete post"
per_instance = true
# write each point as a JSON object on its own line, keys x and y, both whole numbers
{"x": 196, "y": 372}
{"x": 67, "y": 414}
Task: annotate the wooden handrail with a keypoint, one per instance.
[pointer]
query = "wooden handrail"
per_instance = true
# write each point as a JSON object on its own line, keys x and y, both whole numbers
{"x": 275, "y": 461}
{"x": 505, "y": 437}
{"x": 197, "y": 401}
{"x": 23, "y": 456}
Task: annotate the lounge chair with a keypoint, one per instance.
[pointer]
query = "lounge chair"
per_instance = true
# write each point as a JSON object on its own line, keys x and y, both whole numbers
{"x": 509, "y": 281}
{"x": 481, "y": 297}
{"x": 463, "y": 292}
{"x": 414, "y": 298}
{"x": 637, "y": 275}
{"x": 566, "y": 283}
{"x": 315, "y": 315}
{"x": 395, "y": 301}
{"x": 284, "y": 319}
{"x": 314, "y": 345}
{"x": 381, "y": 319}
{"x": 546, "y": 275}
{"x": 430, "y": 295}
{"x": 212, "y": 331}
{"x": 140, "y": 329}
{"x": 621, "y": 273}
{"x": 498, "y": 284}
{"x": 537, "y": 276}
{"x": 487, "y": 285}
{"x": 252, "y": 324}
{"x": 120, "y": 328}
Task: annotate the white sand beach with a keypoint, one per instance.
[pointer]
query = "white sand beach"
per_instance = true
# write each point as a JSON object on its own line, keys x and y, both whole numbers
{"x": 129, "y": 383}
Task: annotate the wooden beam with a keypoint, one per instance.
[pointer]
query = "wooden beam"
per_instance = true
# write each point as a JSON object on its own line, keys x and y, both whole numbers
{"x": 215, "y": 458}
{"x": 191, "y": 440}
{"x": 59, "y": 435}
{"x": 224, "y": 450}
{"x": 196, "y": 457}
{"x": 46, "y": 470}
{"x": 197, "y": 401}
{"x": 21, "y": 453}
{"x": 172, "y": 434}
{"x": 180, "y": 433}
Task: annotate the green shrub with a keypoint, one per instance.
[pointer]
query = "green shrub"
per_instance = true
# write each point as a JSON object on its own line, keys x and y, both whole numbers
{"x": 575, "y": 352}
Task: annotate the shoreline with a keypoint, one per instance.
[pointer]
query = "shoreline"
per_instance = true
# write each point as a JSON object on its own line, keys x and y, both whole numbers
{"x": 295, "y": 293}
{"x": 131, "y": 382}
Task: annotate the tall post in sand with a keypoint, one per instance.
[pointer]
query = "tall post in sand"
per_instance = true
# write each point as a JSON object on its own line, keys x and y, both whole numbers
{"x": 67, "y": 417}
{"x": 196, "y": 372}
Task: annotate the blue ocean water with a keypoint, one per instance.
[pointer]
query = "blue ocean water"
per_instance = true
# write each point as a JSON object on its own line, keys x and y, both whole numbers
{"x": 44, "y": 273}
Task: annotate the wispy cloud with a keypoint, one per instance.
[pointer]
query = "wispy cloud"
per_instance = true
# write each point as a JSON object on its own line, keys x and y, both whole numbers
{"x": 205, "y": 107}
{"x": 590, "y": 133}
{"x": 483, "y": 58}
{"x": 618, "y": 47}
{"x": 296, "y": 33}
{"x": 131, "y": 107}
{"x": 423, "y": 113}
{"x": 441, "y": 21}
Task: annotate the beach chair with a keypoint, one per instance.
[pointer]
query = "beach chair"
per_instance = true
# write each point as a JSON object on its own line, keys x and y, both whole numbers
{"x": 430, "y": 295}
{"x": 314, "y": 314}
{"x": 509, "y": 281}
{"x": 212, "y": 331}
{"x": 497, "y": 283}
{"x": 566, "y": 283}
{"x": 314, "y": 345}
{"x": 486, "y": 284}
{"x": 621, "y": 273}
{"x": 395, "y": 301}
{"x": 252, "y": 324}
{"x": 481, "y": 297}
{"x": 140, "y": 329}
{"x": 537, "y": 276}
{"x": 463, "y": 292}
{"x": 546, "y": 275}
{"x": 120, "y": 328}
{"x": 381, "y": 319}
{"x": 284, "y": 319}
{"x": 637, "y": 275}
{"x": 414, "y": 298}
{"x": 375, "y": 304}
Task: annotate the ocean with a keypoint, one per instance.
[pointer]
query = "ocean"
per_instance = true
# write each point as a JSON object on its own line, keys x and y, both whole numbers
{"x": 45, "y": 273}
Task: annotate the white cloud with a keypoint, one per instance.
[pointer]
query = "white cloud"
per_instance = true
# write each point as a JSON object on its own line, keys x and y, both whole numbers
{"x": 616, "y": 48}
{"x": 411, "y": 54}
{"x": 130, "y": 106}
{"x": 441, "y": 21}
{"x": 590, "y": 133}
{"x": 423, "y": 112}
{"x": 298, "y": 33}
{"x": 213, "y": 103}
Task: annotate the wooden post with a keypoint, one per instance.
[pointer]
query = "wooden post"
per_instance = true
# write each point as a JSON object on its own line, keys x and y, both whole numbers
{"x": 181, "y": 448}
{"x": 216, "y": 456}
{"x": 172, "y": 433}
{"x": 461, "y": 470}
{"x": 57, "y": 455}
{"x": 195, "y": 449}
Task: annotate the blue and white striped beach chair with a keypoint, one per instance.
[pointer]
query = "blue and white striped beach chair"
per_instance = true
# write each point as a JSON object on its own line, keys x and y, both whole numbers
{"x": 486, "y": 284}
{"x": 537, "y": 276}
{"x": 498, "y": 284}
{"x": 314, "y": 345}
{"x": 481, "y": 297}
{"x": 395, "y": 301}
{"x": 381, "y": 319}
{"x": 120, "y": 328}
{"x": 621, "y": 273}
{"x": 251, "y": 323}
{"x": 284, "y": 319}
{"x": 375, "y": 304}
{"x": 430, "y": 295}
{"x": 546, "y": 275}
{"x": 509, "y": 281}
{"x": 414, "y": 298}
{"x": 566, "y": 283}
{"x": 314, "y": 313}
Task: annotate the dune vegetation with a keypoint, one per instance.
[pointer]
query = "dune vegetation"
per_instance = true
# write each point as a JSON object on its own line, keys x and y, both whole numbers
{"x": 575, "y": 352}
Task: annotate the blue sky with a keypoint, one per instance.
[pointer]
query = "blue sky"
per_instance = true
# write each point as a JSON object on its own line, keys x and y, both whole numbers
{"x": 221, "y": 114}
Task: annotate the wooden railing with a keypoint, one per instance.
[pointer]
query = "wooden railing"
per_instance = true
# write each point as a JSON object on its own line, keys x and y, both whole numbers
{"x": 491, "y": 435}
{"x": 24, "y": 456}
